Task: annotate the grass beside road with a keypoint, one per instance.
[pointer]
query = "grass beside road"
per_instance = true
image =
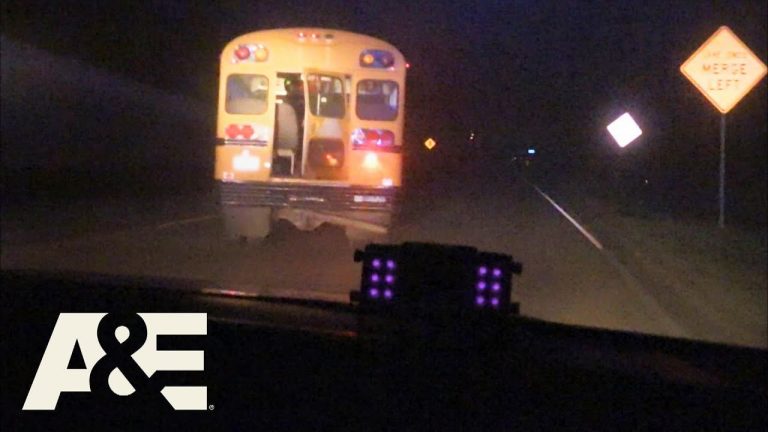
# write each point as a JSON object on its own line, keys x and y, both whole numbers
{"x": 712, "y": 281}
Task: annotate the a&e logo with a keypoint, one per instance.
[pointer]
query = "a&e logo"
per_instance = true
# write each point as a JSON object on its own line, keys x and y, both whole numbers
{"x": 121, "y": 360}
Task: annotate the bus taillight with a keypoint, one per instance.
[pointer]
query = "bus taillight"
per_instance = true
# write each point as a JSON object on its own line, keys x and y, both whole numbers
{"x": 386, "y": 138}
{"x": 232, "y": 131}
{"x": 373, "y": 139}
{"x": 246, "y": 132}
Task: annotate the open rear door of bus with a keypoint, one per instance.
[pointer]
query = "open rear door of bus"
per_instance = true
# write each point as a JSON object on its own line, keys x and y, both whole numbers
{"x": 326, "y": 130}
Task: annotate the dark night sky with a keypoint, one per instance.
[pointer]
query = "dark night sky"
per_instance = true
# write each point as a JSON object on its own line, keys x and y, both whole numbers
{"x": 545, "y": 73}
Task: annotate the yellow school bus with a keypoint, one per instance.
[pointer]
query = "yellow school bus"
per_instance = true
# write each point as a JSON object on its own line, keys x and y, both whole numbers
{"x": 310, "y": 130}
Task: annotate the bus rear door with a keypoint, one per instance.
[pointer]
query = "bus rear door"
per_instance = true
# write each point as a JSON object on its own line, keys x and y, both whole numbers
{"x": 326, "y": 126}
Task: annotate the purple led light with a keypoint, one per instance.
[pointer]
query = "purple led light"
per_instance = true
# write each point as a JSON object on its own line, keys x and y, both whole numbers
{"x": 375, "y": 277}
{"x": 482, "y": 270}
{"x": 495, "y": 302}
{"x": 479, "y": 300}
{"x": 388, "y": 294}
{"x": 496, "y": 286}
{"x": 391, "y": 264}
{"x": 376, "y": 263}
{"x": 374, "y": 292}
{"x": 496, "y": 272}
{"x": 389, "y": 278}
{"x": 481, "y": 285}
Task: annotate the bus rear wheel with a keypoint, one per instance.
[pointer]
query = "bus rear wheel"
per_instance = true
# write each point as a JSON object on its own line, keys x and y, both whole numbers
{"x": 247, "y": 224}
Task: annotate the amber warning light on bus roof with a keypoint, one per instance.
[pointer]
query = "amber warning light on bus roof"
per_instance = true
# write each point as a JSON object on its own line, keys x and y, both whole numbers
{"x": 377, "y": 59}
{"x": 250, "y": 52}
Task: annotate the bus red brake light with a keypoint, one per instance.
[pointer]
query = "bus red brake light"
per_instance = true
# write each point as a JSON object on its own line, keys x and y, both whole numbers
{"x": 373, "y": 139}
{"x": 371, "y": 136}
{"x": 232, "y": 131}
{"x": 247, "y": 131}
{"x": 386, "y": 138}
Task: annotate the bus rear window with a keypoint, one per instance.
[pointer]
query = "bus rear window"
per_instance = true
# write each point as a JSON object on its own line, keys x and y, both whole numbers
{"x": 377, "y": 100}
{"x": 326, "y": 96}
{"x": 246, "y": 94}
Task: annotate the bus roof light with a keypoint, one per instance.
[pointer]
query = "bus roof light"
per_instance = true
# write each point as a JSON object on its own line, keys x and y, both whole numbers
{"x": 374, "y": 58}
{"x": 242, "y": 52}
{"x": 261, "y": 53}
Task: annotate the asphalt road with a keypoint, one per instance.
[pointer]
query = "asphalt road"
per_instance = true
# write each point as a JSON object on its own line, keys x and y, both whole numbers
{"x": 566, "y": 277}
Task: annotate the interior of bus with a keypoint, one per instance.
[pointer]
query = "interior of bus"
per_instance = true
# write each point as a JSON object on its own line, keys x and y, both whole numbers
{"x": 323, "y": 155}
{"x": 289, "y": 126}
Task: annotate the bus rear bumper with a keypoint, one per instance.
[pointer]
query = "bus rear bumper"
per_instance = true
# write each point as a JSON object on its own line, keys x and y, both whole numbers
{"x": 308, "y": 205}
{"x": 309, "y": 196}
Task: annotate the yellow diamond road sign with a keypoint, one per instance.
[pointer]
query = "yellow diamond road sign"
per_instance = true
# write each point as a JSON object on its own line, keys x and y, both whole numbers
{"x": 430, "y": 143}
{"x": 724, "y": 69}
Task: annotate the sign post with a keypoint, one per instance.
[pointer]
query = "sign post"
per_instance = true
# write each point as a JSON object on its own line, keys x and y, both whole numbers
{"x": 721, "y": 190}
{"x": 724, "y": 69}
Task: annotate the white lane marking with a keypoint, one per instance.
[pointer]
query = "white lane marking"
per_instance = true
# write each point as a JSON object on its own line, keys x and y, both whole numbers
{"x": 581, "y": 229}
{"x": 186, "y": 221}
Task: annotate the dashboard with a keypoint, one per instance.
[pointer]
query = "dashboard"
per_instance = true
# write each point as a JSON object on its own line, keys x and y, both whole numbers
{"x": 279, "y": 363}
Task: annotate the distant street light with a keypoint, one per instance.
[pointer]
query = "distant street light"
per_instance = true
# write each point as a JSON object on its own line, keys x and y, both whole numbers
{"x": 624, "y": 130}
{"x": 531, "y": 151}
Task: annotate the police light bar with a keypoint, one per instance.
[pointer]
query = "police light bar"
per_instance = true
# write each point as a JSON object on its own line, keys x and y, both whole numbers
{"x": 432, "y": 278}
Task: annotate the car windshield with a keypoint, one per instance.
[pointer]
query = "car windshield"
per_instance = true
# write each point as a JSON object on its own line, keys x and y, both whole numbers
{"x": 616, "y": 149}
